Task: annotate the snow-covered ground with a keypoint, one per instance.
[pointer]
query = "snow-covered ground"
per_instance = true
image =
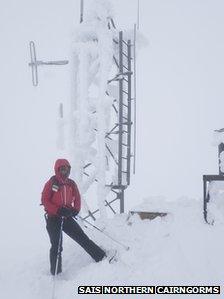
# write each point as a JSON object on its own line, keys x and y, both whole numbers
{"x": 175, "y": 250}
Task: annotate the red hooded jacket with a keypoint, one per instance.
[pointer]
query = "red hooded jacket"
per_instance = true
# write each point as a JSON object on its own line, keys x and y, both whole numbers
{"x": 59, "y": 193}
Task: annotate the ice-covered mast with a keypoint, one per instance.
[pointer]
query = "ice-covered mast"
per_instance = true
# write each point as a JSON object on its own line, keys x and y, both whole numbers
{"x": 101, "y": 106}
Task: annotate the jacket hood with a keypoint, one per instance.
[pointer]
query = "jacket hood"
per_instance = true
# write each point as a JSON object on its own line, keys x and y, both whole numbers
{"x": 59, "y": 163}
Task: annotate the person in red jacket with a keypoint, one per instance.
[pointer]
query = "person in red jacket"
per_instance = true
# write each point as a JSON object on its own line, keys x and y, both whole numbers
{"x": 61, "y": 200}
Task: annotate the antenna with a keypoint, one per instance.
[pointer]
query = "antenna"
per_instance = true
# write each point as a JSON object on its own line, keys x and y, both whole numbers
{"x": 138, "y": 14}
{"x": 81, "y": 10}
{"x": 34, "y": 63}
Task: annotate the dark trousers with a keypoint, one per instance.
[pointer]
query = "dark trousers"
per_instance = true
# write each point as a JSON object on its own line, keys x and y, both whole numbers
{"x": 74, "y": 231}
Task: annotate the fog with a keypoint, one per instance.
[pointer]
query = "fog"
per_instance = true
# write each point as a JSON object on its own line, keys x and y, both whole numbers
{"x": 179, "y": 96}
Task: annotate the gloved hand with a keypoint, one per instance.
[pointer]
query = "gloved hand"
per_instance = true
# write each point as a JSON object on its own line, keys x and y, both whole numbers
{"x": 74, "y": 213}
{"x": 65, "y": 212}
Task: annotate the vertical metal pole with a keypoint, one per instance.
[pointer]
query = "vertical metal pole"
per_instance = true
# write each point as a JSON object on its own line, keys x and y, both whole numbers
{"x": 120, "y": 135}
{"x": 61, "y": 114}
{"x": 120, "y": 152}
{"x": 121, "y": 197}
{"x": 205, "y": 198}
{"x": 129, "y": 114}
{"x": 33, "y": 58}
{"x": 138, "y": 16}
{"x": 81, "y": 10}
{"x": 135, "y": 105}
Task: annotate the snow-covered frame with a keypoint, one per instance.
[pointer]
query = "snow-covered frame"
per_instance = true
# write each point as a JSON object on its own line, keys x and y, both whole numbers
{"x": 117, "y": 144}
{"x": 208, "y": 179}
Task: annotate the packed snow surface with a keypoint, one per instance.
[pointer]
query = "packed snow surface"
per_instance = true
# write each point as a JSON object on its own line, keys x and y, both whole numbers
{"x": 179, "y": 249}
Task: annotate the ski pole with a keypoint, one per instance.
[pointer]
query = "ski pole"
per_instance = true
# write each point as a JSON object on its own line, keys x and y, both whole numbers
{"x": 116, "y": 241}
{"x": 57, "y": 260}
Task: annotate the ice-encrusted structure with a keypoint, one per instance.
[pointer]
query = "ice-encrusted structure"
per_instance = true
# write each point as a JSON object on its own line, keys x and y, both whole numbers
{"x": 92, "y": 66}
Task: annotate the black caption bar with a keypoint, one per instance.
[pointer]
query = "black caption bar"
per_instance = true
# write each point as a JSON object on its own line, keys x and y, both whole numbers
{"x": 200, "y": 290}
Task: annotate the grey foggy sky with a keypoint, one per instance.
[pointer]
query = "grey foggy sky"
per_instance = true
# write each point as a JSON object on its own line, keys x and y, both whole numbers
{"x": 180, "y": 93}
